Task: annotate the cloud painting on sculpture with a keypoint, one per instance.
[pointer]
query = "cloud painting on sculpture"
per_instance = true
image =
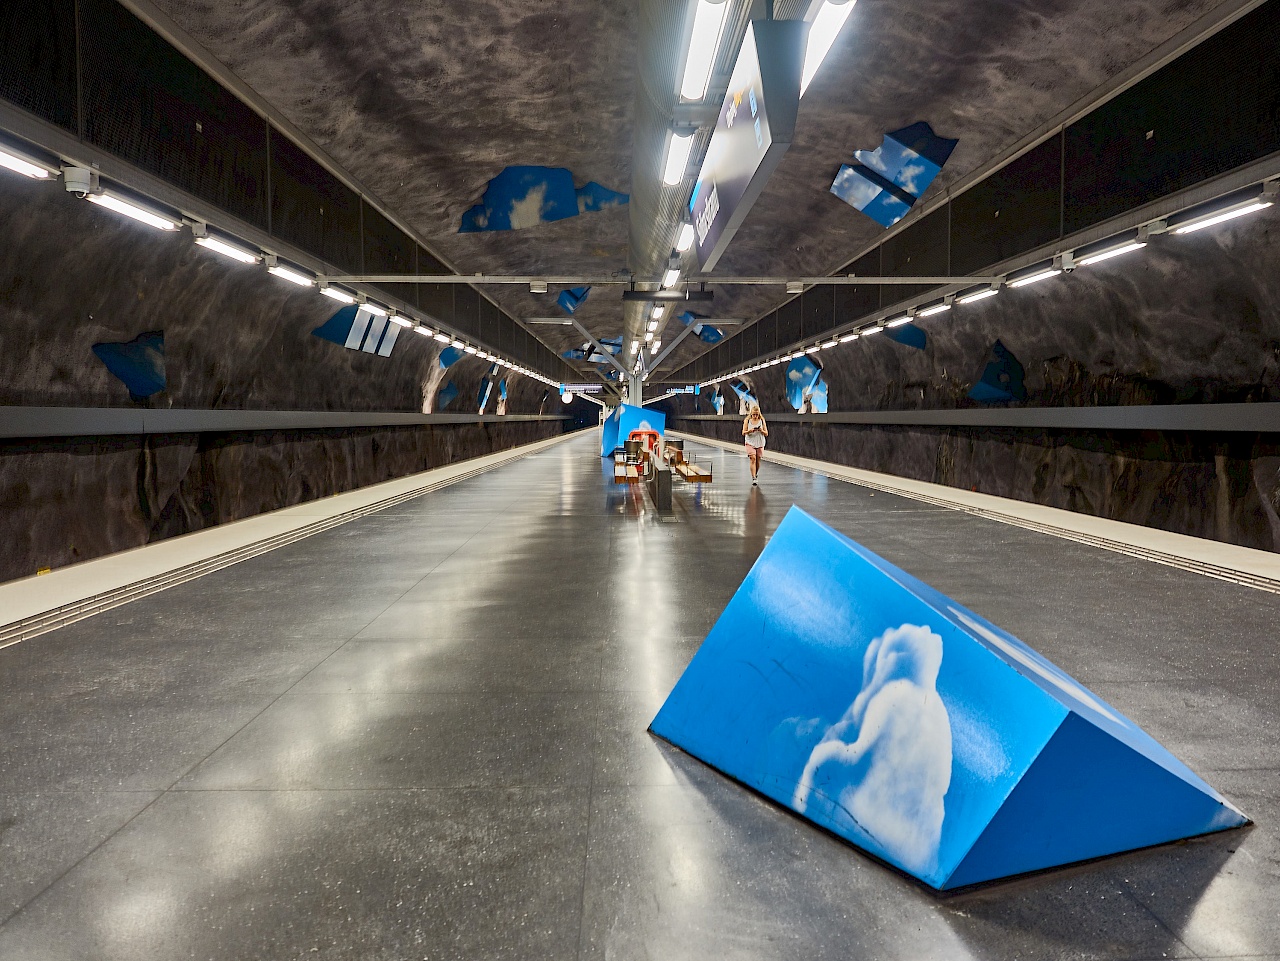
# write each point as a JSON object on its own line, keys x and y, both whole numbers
{"x": 859, "y": 697}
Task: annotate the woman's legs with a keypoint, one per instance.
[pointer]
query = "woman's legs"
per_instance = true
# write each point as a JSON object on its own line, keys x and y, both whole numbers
{"x": 753, "y": 455}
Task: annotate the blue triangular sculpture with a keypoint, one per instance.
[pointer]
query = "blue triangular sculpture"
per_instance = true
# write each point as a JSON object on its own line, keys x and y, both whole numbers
{"x": 869, "y": 703}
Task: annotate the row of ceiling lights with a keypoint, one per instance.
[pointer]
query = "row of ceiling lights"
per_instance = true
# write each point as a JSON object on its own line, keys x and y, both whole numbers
{"x": 828, "y": 17}
{"x": 1067, "y": 261}
{"x": 80, "y": 180}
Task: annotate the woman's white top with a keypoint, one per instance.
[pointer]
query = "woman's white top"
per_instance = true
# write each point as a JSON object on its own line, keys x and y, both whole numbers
{"x": 755, "y": 438}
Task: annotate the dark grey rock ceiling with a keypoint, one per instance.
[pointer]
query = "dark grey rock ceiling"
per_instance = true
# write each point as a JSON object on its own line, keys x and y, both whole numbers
{"x": 425, "y": 102}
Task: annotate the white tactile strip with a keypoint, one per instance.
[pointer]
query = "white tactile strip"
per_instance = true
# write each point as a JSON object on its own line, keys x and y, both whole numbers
{"x": 1228, "y": 562}
{"x": 36, "y": 605}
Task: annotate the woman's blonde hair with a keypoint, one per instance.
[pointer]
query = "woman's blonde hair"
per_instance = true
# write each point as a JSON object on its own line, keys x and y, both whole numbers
{"x": 754, "y": 409}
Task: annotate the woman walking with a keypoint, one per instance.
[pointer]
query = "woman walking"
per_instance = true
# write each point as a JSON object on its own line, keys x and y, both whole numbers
{"x": 754, "y": 431}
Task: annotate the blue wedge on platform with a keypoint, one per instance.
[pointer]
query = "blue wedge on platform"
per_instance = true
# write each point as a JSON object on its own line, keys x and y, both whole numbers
{"x": 859, "y": 697}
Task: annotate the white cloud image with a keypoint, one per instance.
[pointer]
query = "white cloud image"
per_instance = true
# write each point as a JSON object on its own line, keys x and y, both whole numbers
{"x": 884, "y": 768}
{"x": 1040, "y": 667}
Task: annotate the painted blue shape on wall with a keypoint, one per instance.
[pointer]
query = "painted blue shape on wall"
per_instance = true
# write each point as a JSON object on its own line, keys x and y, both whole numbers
{"x": 338, "y": 327}
{"x": 570, "y": 300}
{"x": 525, "y": 196}
{"x": 502, "y": 389}
{"x": 801, "y": 376}
{"x": 1002, "y": 380}
{"x": 717, "y": 401}
{"x": 887, "y": 181}
{"x": 745, "y": 396}
{"x": 623, "y": 420}
{"x": 137, "y": 363}
{"x": 706, "y": 333}
{"x": 356, "y": 328}
{"x": 818, "y": 397}
{"x": 450, "y": 356}
{"x": 908, "y": 334}
{"x": 880, "y": 709}
{"x": 448, "y": 394}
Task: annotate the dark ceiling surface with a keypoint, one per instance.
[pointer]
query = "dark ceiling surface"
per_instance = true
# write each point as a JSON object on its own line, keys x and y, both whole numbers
{"x": 425, "y": 102}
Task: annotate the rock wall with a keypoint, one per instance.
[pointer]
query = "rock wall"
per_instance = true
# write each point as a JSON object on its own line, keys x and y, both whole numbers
{"x": 72, "y": 275}
{"x": 1189, "y": 319}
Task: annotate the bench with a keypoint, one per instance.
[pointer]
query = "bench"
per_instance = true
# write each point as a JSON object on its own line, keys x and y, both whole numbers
{"x": 693, "y": 473}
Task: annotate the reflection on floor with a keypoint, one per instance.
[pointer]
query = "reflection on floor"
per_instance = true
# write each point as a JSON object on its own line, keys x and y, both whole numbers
{"x": 422, "y": 735}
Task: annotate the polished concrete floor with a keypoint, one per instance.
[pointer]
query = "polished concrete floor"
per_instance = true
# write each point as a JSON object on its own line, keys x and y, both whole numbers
{"x": 422, "y": 735}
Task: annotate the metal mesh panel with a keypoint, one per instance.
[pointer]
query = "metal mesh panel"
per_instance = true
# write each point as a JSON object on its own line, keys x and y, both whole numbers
{"x": 38, "y": 58}
{"x": 389, "y": 250}
{"x": 146, "y": 103}
{"x": 490, "y": 322}
{"x": 790, "y": 323}
{"x": 1017, "y": 208}
{"x": 1215, "y": 108}
{"x": 767, "y": 333}
{"x": 918, "y": 251}
{"x": 311, "y": 208}
{"x": 466, "y": 310}
{"x": 818, "y": 306}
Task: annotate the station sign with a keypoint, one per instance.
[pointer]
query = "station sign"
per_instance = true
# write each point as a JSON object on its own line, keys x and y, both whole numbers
{"x": 756, "y": 126}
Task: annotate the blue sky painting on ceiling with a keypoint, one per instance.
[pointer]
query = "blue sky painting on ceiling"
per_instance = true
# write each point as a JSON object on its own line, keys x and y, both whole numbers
{"x": 450, "y": 356}
{"x": 522, "y": 197}
{"x": 570, "y": 300}
{"x": 884, "y": 183}
{"x": 138, "y": 363}
{"x": 703, "y": 331}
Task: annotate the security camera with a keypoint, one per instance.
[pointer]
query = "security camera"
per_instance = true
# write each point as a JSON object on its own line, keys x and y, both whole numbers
{"x": 78, "y": 180}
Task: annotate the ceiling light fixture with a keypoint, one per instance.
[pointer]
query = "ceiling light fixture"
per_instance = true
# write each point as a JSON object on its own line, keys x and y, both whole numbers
{"x": 868, "y": 331}
{"x": 678, "y": 147}
{"x": 977, "y": 295}
{"x": 20, "y": 165}
{"x": 1035, "y": 278}
{"x": 704, "y": 39}
{"x": 537, "y": 286}
{"x": 827, "y": 345}
{"x": 1221, "y": 215}
{"x": 424, "y": 331}
{"x": 670, "y": 278}
{"x": 402, "y": 321}
{"x": 333, "y": 293}
{"x": 441, "y": 336}
{"x": 284, "y": 273}
{"x": 685, "y": 240}
{"x": 226, "y": 249}
{"x": 848, "y": 337}
{"x": 658, "y": 311}
{"x": 373, "y": 308}
{"x": 935, "y": 309}
{"x": 140, "y": 214}
{"x": 898, "y": 321}
{"x": 653, "y": 325}
{"x": 823, "y": 31}
{"x": 1102, "y": 255}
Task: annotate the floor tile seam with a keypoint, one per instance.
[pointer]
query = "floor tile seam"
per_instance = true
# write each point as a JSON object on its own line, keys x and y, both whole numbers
{"x": 84, "y": 857}
{"x": 86, "y": 607}
{"x": 591, "y": 803}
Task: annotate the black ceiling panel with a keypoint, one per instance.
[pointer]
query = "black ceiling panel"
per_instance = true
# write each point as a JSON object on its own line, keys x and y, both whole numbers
{"x": 767, "y": 333}
{"x": 389, "y": 250}
{"x": 1213, "y": 109}
{"x": 148, "y": 104}
{"x": 818, "y": 305}
{"x": 38, "y": 58}
{"x": 920, "y": 250}
{"x": 311, "y": 208}
{"x": 466, "y": 310}
{"x": 1017, "y": 208}
{"x": 790, "y": 323}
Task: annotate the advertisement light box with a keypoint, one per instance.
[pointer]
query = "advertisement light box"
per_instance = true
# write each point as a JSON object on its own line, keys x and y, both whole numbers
{"x": 756, "y": 126}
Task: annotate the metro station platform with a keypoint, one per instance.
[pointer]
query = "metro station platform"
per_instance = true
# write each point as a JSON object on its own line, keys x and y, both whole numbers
{"x": 421, "y": 734}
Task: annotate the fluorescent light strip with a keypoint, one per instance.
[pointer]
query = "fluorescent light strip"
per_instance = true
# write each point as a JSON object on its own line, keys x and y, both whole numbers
{"x": 402, "y": 321}
{"x": 685, "y": 240}
{"x": 935, "y": 309}
{"x": 708, "y": 24}
{"x": 374, "y": 309}
{"x": 1214, "y": 219}
{"x": 898, "y": 321}
{"x": 137, "y": 213}
{"x": 868, "y": 331}
{"x": 980, "y": 295}
{"x": 670, "y": 278}
{"x": 1108, "y": 254}
{"x": 284, "y": 273}
{"x": 227, "y": 250}
{"x": 678, "y": 149}
{"x": 25, "y": 167}
{"x": 442, "y": 337}
{"x": 823, "y": 31}
{"x": 1035, "y": 278}
{"x": 341, "y": 296}
{"x": 830, "y": 343}
{"x": 424, "y": 331}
